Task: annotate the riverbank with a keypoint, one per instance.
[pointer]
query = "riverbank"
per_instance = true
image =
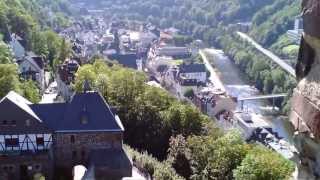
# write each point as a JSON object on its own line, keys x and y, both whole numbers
{"x": 237, "y": 85}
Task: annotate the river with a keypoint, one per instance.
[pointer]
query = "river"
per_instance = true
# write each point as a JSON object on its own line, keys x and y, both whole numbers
{"x": 237, "y": 85}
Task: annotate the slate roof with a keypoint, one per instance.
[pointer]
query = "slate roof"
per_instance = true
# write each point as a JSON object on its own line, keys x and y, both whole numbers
{"x": 21, "y": 102}
{"x": 39, "y": 61}
{"x": 67, "y": 117}
{"x": 111, "y": 158}
{"x": 128, "y": 60}
{"x": 192, "y": 68}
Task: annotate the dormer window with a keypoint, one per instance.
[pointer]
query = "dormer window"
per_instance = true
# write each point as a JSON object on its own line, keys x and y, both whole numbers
{"x": 84, "y": 119}
{"x": 84, "y": 116}
{"x": 28, "y": 122}
{"x": 72, "y": 139}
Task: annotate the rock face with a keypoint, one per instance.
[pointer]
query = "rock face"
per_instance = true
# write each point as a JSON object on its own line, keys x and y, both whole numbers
{"x": 305, "y": 115}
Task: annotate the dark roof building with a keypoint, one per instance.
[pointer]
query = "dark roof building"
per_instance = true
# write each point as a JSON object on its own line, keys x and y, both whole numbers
{"x": 127, "y": 60}
{"x": 192, "y": 68}
{"x": 86, "y": 112}
{"x": 61, "y": 135}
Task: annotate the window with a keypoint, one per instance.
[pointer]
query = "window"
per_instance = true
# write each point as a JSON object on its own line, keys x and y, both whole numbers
{"x": 72, "y": 139}
{"x": 83, "y": 154}
{"x": 4, "y": 122}
{"x": 40, "y": 141}
{"x": 13, "y": 122}
{"x": 8, "y": 168}
{"x": 84, "y": 119}
{"x": 11, "y": 168}
{"x": 74, "y": 154}
{"x": 37, "y": 167}
{"x": 14, "y": 142}
{"x": 5, "y": 168}
{"x": 28, "y": 122}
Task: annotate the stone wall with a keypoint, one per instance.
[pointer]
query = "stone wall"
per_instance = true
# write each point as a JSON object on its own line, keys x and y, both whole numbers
{"x": 73, "y": 148}
{"x": 25, "y": 166}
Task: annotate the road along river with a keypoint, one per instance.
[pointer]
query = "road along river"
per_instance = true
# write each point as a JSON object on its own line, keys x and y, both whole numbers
{"x": 238, "y": 86}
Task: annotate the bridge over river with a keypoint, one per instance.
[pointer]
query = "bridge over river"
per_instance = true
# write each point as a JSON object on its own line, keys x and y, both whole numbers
{"x": 261, "y": 97}
{"x": 238, "y": 86}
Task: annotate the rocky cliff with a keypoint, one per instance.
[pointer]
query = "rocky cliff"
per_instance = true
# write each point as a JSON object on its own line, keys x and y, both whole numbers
{"x": 305, "y": 115}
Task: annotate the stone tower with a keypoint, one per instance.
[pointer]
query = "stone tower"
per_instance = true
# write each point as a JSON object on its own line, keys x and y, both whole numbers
{"x": 305, "y": 115}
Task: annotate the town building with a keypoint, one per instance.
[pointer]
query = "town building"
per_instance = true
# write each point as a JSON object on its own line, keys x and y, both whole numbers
{"x": 214, "y": 102}
{"x": 193, "y": 72}
{"x": 47, "y": 138}
{"x": 175, "y": 52}
{"x": 32, "y": 67}
{"x": 65, "y": 76}
{"x": 16, "y": 44}
{"x": 296, "y": 33}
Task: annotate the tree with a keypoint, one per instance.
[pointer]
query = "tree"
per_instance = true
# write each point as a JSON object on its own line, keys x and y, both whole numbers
{"x": 5, "y": 54}
{"x": 263, "y": 164}
{"x": 30, "y": 91}
{"x": 278, "y": 77}
{"x": 179, "y": 156}
{"x": 216, "y": 158}
{"x": 53, "y": 43}
{"x": 268, "y": 83}
{"x": 189, "y": 93}
{"x": 39, "y": 44}
{"x": 65, "y": 51}
{"x": 85, "y": 73}
{"x": 184, "y": 119}
{"x": 9, "y": 79}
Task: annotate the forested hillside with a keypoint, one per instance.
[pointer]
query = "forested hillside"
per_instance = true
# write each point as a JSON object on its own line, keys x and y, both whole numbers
{"x": 201, "y": 19}
{"x": 188, "y": 142}
{"x": 31, "y": 20}
{"x": 211, "y": 21}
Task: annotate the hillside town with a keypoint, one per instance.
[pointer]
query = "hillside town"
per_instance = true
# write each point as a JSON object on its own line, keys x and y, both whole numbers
{"x": 80, "y": 131}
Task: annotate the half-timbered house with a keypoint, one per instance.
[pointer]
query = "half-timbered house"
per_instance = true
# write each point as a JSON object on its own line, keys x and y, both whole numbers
{"x": 39, "y": 138}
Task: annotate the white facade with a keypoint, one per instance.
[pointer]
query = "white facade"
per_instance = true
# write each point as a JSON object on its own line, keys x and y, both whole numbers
{"x": 28, "y": 64}
{"x": 25, "y": 142}
{"x": 199, "y": 76}
{"x": 63, "y": 89}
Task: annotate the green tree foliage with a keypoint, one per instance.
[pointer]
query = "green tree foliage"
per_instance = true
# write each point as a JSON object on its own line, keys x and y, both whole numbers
{"x": 5, "y": 54}
{"x": 181, "y": 41}
{"x": 258, "y": 67}
{"x": 150, "y": 114}
{"x": 30, "y": 19}
{"x": 274, "y": 20}
{"x": 216, "y": 158}
{"x": 225, "y": 157}
{"x": 9, "y": 79}
{"x": 179, "y": 156}
{"x": 189, "y": 93}
{"x": 263, "y": 164}
{"x": 196, "y": 149}
{"x": 156, "y": 169}
{"x": 65, "y": 50}
{"x": 30, "y": 91}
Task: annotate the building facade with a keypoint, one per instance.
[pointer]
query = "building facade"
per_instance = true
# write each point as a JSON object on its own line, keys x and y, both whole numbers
{"x": 47, "y": 138}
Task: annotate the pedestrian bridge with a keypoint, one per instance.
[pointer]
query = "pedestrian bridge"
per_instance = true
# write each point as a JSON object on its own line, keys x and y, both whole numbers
{"x": 271, "y": 96}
